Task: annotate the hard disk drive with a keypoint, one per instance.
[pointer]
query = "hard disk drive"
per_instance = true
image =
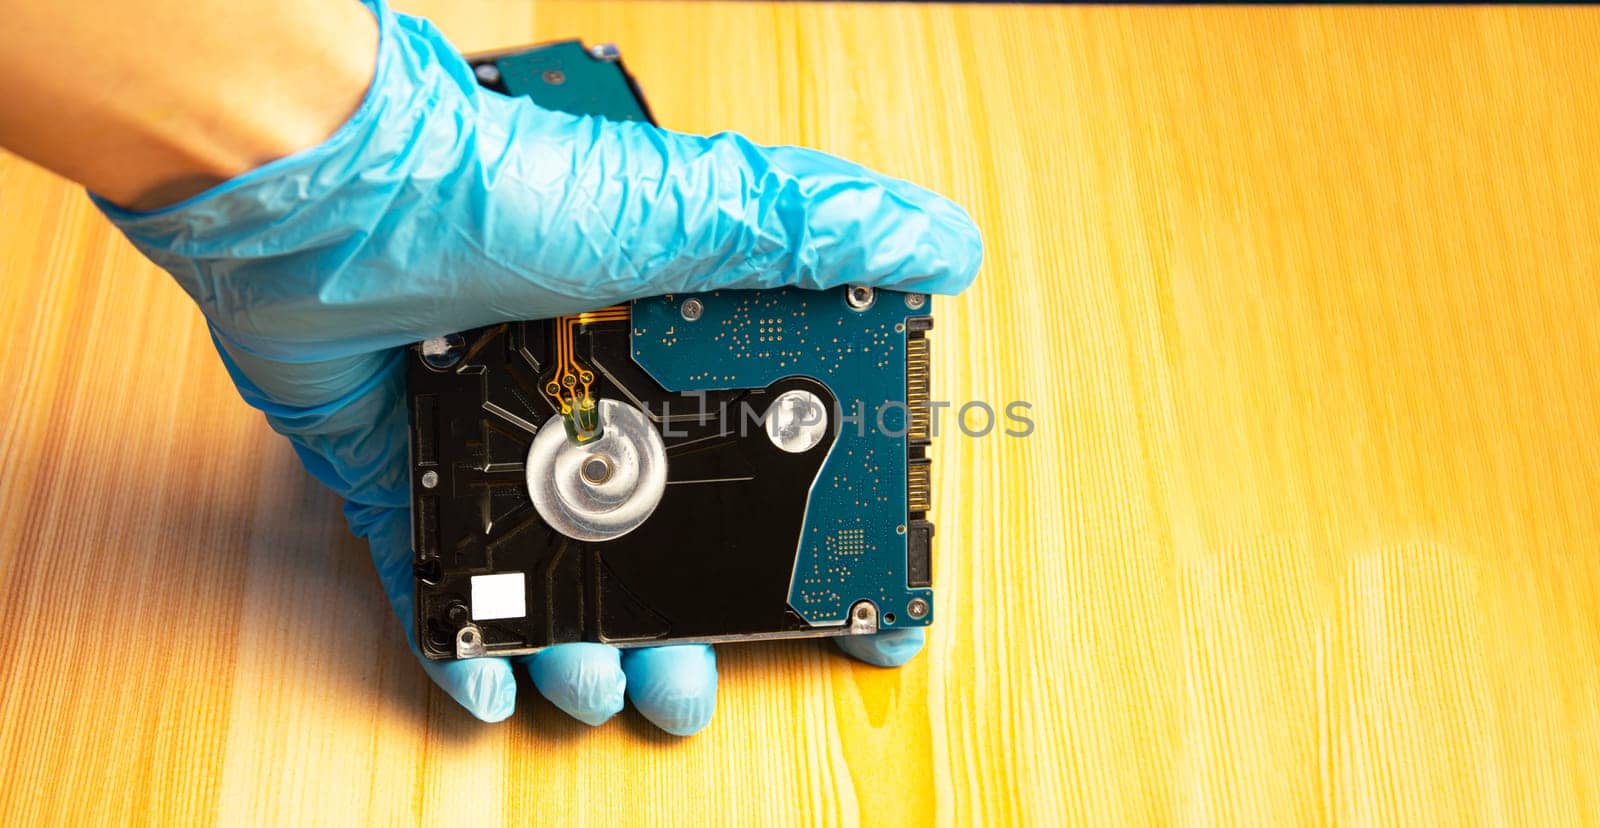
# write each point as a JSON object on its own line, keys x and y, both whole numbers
{"x": 721, "y": 466}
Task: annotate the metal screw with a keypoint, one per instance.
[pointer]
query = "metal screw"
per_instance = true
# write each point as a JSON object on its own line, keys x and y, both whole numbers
{"x": 487, "y": 73}
{"x": 915, "y": 301}
{"x": 469, "y": 642}
{"x": 863, "y": 618}
{"x": 917, "y": 608}
{"x": 555, "y": 77}
{"x": 692, "y": 309}
{"x": 430, "y": 479}
{"x": 859, "y": 297}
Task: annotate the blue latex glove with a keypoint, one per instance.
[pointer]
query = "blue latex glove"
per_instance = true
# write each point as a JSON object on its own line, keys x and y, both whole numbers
{"x": 441, "y": 207}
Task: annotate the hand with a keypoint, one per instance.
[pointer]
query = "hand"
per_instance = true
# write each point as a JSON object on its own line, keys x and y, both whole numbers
{"x": 440, "y": 207}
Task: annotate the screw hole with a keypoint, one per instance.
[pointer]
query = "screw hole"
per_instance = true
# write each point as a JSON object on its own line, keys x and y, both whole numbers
{"x": 429, "y": 571}
{"x": 443, "y": 352}
{"x": 595, "y": 470}
{"x": 888, "y": 618}
{"x": 438, "y": 635}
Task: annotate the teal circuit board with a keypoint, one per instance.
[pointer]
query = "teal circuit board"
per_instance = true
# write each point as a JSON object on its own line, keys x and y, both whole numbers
{"x": 858, "y": 526}
{"x": 568, "y": 77}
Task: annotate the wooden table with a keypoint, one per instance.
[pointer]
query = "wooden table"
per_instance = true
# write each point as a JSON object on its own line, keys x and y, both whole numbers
{"x": 1304, "y": 303}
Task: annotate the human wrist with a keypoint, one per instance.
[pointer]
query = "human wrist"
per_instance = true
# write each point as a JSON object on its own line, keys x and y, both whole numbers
{"x": 275, "y": 104}
{"x": 161, "y": 100}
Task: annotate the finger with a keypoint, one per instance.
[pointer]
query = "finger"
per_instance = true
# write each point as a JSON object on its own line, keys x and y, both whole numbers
{"x": 584, "y": 680}
{"x": 886, "y": 649}
{"x": 675, "y": 686}
{"x": 623, "y": 210}
{"x": 729, "y": 213}
{"x": 484, "y": 686}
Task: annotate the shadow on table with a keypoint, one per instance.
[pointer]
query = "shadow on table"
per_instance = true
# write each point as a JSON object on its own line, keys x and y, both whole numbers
{"x": 312, "y": 605}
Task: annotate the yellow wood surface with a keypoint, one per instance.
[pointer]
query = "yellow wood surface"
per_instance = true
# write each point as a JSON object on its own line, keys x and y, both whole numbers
{"x": 1305, "y": 303}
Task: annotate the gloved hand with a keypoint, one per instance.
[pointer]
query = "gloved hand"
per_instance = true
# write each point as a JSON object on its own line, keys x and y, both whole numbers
{"x": 440, "y": 207}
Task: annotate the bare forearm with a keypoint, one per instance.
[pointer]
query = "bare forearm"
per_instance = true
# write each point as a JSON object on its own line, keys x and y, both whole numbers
{"x": 146, "y": 103}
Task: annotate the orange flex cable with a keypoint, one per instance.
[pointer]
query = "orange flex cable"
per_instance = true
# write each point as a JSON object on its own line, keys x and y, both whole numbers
{"x": 567, "y": 366}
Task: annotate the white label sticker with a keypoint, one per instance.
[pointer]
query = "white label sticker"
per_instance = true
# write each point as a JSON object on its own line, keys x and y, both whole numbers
{"x": 498, "y": 596}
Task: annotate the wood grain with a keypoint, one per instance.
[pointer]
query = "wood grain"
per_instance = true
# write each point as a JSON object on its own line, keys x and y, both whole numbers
{"x": 1303, "y": 300}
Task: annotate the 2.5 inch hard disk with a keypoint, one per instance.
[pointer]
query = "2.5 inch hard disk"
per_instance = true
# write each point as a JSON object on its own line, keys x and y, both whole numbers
{"x": 710, "y": 467}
